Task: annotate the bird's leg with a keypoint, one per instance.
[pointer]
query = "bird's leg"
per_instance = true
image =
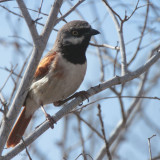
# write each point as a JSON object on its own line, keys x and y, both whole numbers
{"x": 48, "y": 117}
{"x": 82, "y": 94}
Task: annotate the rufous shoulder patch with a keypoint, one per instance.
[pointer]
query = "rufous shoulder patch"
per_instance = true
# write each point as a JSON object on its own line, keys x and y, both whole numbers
{"x": 44, "y": 65}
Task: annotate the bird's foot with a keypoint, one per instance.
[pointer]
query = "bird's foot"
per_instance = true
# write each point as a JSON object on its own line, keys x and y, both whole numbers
{"x": 82, "y": 94}
{"x": 59, "y": 103}
{"x": 48, "y": 117}
{"x": 51, "y": 120}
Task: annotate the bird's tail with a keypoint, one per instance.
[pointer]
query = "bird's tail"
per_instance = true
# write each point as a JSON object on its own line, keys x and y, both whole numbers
{"x": 18, "y": 129}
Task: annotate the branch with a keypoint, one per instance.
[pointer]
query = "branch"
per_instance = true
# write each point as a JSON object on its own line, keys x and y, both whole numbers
{"x": 29, "y": 21}
{"x": 104, "y": 134}
{"x": 70, "y": 106}
{"x": 51, "y": 21}
{"x": 105, "y": 45}
{"x": 89, "y": 125}
{"x": 38, "y": 49}
{"x": 120, "y": 125}
{"x": 149, "y": 144}
{"x": 70, "y": 11}
{"x": 142, "y": 34}
{"x": 121, "y": 38}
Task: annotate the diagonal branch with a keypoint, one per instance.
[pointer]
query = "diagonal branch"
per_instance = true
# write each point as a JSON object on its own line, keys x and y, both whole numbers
{"x": 38, "y": 49}
{"x": 68, "y": 108}
{"x": 29, "y": 21}
{"x": 51, "y": 21}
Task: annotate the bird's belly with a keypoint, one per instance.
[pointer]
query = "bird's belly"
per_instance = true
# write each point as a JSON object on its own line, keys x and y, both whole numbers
{"x": 51, "y": 88}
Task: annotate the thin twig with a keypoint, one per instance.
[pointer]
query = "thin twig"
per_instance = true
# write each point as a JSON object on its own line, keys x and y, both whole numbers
{"x": 89, "y": 125}
{"x": 110, "y": 8}
{"x": 103, "y": 132}
{"x": 121, "y": 103}
{"x": 5, "y": 1}
{"x": 29, "y": 43}
{"x": 26, "y": 148}
{"x": 40, "y": 8}
{"x": 101, "y": 62}
{"x": 71, "y": 10}
{"x": 136, "y": 7}
{"x": 81, "y": 138}
{"x": 110, "y": 97}
{"x": 142, "y": 34}
{"x": 11, "y": 72}
{"x": 18, "y": 78}
{"x": 16, "y": 14}
{"x": 83, "y": 156}
{"x": 92, "y": 91}
{"x": 120, "y": 125}
{"x": 149, "y": 144}
{"x": 121, "y": 38}
{"x": 105, "y": 45}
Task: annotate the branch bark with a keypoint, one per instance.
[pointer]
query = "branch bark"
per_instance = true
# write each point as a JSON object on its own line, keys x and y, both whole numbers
{"x": 39, "y": 46}
{"x": 120, "y": 35}
{"x": 68, "y": 108}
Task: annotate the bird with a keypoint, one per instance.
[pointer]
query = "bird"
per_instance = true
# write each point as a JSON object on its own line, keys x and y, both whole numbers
{"x": 58, "y": 75}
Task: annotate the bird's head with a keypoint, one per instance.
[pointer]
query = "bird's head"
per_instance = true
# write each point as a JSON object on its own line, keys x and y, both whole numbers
{"x": 76, "y": 33}
{"x": 73, "y": 38}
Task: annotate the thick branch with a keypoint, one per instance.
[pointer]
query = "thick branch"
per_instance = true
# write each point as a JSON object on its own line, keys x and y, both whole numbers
{"x": 92, "y": 91}
{"x": 38, "y": 49}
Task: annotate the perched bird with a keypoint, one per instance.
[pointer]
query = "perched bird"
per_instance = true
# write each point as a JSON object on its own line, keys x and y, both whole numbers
{"x": 58, "y": 75}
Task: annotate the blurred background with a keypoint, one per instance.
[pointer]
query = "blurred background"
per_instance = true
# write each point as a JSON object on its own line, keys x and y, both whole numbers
{"x": 134, "y": 107}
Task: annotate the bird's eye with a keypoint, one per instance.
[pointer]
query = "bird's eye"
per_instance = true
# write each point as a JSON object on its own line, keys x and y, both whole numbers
{"x": 75, "y": 33}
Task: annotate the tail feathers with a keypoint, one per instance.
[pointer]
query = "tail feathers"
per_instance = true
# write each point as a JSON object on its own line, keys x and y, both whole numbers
{"x": 18, "y": 129}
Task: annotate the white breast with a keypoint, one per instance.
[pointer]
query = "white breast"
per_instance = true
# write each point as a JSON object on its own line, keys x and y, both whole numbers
{"x": 51, "y": 88}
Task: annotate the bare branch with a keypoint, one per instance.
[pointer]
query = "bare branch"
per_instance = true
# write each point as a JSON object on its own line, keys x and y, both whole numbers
{"x": 26, "y": 149}
{"x": 121, "y": 125}
{"x": 12, "y": 70}
{"x": 92, "y": 91}
{"x": 121, "y": 38}
{"x": 40, "y": 43}
{"x": 149, "y": 144}
{"x": 70, "y": 11}
{"x": 105, "y": 45}
{"x": 81, "y": 139}
{"x": 142, "y": 34}
{"x": 29, "y": 21}
{"x": 121, "y": 104}
{"x": 103, "y": 132}
{"x": 89, "y": 125}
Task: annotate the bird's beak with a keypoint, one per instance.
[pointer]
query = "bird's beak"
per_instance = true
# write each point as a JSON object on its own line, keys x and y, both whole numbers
{"x": 93, "y": 32}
